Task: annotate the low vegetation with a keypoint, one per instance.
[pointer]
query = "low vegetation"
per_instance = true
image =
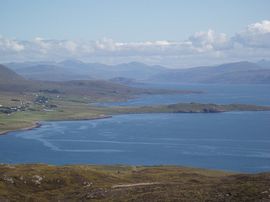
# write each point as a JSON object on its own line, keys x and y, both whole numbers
{"x": 128, "y": 183}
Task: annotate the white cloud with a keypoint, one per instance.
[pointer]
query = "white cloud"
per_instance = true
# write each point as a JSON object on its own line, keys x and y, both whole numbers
{"x": 208, "y": 41}
{"x": 202, "y": 48}
{"x": 10, "y": 45}
{"x": 255, "y": 35}
{"x": 259, "y": 27}
{"x": 70, "y": 46}
{"x": 106, "y": 44}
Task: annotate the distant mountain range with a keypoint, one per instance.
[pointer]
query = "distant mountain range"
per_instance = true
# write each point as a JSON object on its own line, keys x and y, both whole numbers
{"x": 11, "y": 82}
{"x": 77, "y": 70}
{"x": 231, "y": 73}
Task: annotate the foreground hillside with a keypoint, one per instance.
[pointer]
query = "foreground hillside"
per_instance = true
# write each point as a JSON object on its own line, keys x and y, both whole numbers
{"x": 123, "y": 183}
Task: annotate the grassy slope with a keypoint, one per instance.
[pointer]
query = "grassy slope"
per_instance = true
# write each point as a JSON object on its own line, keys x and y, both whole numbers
{"x": 101, "y": 183}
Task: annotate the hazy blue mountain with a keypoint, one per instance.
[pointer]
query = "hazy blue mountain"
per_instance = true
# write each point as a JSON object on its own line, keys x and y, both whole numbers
{"x": 11, "y": 82}
{"x": 238, "y": 72}
{"x": 264, "y": 63}
{"x": 51, "y": 73}
{"x": 21, "y": 65}
{"x": 123, "y": 80}
{"x": 77, "y": 70}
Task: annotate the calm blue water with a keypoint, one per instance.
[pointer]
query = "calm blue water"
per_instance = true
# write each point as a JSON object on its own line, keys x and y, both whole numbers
{"x": 219, "y": 94}
{"x": 236, "y": 141}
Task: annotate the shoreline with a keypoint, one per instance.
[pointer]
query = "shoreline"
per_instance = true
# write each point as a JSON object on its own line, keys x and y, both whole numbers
{"x": 37, "y": 124}
{"x": 173, "y": 108}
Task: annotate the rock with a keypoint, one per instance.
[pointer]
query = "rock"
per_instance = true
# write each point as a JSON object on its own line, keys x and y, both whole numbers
{"x": 10, "y": 166}
{"x": 8, "y": 179}
{"x": 87, "y": 184}
{"x": 97, "y": 194}
{"x": 37, "y": 179}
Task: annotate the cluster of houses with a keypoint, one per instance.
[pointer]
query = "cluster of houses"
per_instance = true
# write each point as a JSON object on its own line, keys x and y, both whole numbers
{"x": 9, "y": 110}
{"x": 39, "y": 100}
{"x": 44, "y": 102}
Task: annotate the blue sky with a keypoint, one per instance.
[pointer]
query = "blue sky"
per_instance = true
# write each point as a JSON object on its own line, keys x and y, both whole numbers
{"x": 174, "y": 33}
{"x": 126, "y": 20}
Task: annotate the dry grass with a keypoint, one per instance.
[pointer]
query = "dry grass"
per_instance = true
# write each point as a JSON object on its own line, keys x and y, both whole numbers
{"x": 101, "y": 183}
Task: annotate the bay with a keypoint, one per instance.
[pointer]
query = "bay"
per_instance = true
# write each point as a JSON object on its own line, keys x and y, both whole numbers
{"x": 234, "y": 141}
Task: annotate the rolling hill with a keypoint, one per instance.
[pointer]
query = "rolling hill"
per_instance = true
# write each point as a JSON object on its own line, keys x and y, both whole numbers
{"x": 77, "y": 70}
{"x": 7, "y": 75}
{"x": 51, "y": 73}
{"x": 231, "y": 73}
{"x": 12, "y": 82}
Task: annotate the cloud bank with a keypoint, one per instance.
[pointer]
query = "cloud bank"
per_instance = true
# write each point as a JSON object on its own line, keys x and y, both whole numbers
{"x": 202, "y": 48}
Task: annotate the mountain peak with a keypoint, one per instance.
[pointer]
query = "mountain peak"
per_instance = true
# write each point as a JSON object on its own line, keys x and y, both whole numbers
{"x": 264, "y": 63}
{"x": 71, "y": 62}
{"x": 7, "y": 75}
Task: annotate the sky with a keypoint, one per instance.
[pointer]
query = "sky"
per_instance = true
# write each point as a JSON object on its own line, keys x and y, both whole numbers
{"x": 174, "y": 33}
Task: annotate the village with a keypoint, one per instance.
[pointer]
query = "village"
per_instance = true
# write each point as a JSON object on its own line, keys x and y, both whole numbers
{"x": 23, "y": 105}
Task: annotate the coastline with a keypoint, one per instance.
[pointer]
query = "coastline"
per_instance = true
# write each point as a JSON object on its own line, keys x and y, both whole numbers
{"x": 172, "y": 108}
{"x": 37, "y": 124}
